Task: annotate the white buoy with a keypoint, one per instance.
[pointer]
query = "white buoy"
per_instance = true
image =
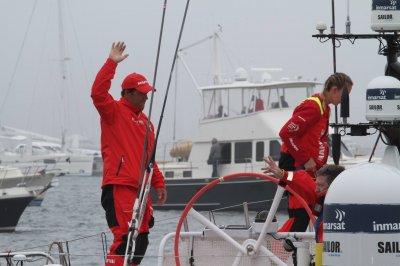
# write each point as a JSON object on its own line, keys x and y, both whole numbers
{"x": 362, "y": 217}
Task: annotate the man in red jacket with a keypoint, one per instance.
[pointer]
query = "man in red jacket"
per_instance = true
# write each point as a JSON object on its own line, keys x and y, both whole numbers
{"x": 305, "y": 139}
{"x": 313, "y": 191}
{"x": 123, "y": 131}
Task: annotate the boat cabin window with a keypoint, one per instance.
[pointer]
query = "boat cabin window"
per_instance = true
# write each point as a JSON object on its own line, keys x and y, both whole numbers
{"x": 259, "y": 151}
{"x": 226, "y": 153}
{"x": 275, "y": 149}
{"x": 236, "y": 99}
{"x": 187, "y": 173}
{"x": 169, "y": 174}
{"x": 243, "y": 152}
{"x": 49, "y": 161}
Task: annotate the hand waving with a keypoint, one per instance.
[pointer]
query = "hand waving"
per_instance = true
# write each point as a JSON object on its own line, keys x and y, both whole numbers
{"x": 117, "y": 52}
{"x": 272, "y": 167}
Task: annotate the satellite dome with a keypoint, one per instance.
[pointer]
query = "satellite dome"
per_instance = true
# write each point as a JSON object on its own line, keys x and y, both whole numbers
{"x": 241, "y": 74}
{"x": 363, "y": 206}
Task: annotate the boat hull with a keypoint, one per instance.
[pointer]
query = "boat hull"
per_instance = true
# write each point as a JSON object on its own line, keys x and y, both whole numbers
{"x": 11, "y": 209}
{"x": 258, "y": 193}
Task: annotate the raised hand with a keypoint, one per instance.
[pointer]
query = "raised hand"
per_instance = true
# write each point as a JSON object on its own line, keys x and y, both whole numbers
{"x": 117, "y": 52}
{"x": 272, "y": 167}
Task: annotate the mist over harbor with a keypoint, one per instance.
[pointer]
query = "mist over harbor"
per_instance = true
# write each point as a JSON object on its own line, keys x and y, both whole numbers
{"x": 45, "y": 85}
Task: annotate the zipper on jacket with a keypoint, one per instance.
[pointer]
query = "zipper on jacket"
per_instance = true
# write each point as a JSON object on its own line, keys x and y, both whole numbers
{"x": 121, "y": 161}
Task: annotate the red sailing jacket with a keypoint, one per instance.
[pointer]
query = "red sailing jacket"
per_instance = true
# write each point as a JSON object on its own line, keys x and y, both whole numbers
{"x": 123, "y": 130}
{"x": 305, "y": 135}
{"x": 303, "y": 183}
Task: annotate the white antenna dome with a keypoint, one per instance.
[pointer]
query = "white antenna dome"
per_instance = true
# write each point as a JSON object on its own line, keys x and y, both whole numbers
{"x": 266, "y": 77}
{"x": 241, "y": 74}
{"x": 383, "y": 99}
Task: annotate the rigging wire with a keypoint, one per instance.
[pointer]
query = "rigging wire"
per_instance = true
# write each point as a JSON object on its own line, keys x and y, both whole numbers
{"x": 145, "y": 147}
{"x": 153, "y": 152}
{"x": 63, "y": 72}
{"x": 29, "y": 121}
{"x": 139, "y": 204}
{"x": 84, "y": 72}
{"x": 18, "y": 60}
{"x": 147, "y": 166}
{"x": 151, "y": 160}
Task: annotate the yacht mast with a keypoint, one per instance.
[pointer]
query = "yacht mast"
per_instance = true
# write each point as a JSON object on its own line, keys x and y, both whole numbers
{"x": 217, "y": 63}
{"x": 63, "y": 72}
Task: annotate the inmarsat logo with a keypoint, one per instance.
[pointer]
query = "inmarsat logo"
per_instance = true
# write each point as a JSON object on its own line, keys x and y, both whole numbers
{"x": 340, "y": 225}
{"x": 381, "y": 95}
{"x": 340, "y": 215}
{"x": 385, "y": 227}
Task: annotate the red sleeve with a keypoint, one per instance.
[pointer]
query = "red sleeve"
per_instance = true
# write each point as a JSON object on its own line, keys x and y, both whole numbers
{"x": 303, "y": 184}
{"x": 102, "y": 100}
{"x": 158, "y": 179}
{"x": 305, "y": 115}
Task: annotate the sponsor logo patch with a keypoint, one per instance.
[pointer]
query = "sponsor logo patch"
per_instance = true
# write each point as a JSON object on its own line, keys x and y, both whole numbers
{"x": 142, "y": 82}
{"x": 293, "y": 127}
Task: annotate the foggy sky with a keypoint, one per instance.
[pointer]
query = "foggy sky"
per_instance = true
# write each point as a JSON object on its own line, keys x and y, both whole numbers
{"x": 256, "y": 33}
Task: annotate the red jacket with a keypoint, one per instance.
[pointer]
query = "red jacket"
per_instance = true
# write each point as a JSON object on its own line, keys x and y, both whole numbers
{"x": 303, "y": 183}
{"x": 123, "y": 130}
{"x": 305, "y": 135}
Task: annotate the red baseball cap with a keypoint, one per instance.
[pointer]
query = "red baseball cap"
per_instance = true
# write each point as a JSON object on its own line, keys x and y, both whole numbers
{"x": 136, "y": 81}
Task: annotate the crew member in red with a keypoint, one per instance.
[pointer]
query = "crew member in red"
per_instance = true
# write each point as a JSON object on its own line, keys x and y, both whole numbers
{"x": 123, "y": 131}
{"x": 305, "y": 140}
{"x": 312, "y": 191}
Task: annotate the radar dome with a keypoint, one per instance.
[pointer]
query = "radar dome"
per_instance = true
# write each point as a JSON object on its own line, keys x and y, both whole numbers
{"x": 240, "y": 74}
{"x": 363, "y": 206}
{"x": 383, "y": 99}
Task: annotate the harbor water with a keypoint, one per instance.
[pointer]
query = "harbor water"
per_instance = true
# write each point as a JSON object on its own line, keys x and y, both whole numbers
{"x": 71, "y": 212}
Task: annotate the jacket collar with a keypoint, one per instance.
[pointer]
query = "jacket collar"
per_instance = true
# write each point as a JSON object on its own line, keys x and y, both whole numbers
{"x": 321, "y": 98}
{"x": 133, "y": 108}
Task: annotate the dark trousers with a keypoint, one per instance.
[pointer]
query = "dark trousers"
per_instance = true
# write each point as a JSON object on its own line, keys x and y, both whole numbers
{"x": 214, "y": 169}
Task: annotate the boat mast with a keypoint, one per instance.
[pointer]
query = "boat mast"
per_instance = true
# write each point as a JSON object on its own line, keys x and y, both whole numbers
{"x": 217, "y": 63}
{"x": 336, "y": 137}
{"x": 334, "y": 52}
{"x": 63, "y": 73}
{"x": 217, "y": 73}
{"x": 176, "y": 93}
